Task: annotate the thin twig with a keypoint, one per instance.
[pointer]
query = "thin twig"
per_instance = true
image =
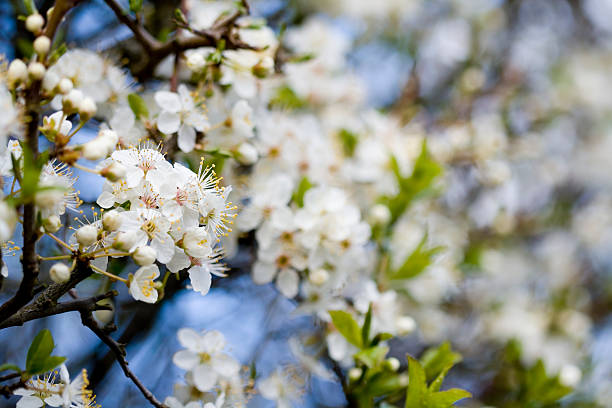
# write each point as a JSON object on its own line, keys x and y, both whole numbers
{"x": 119, "y": 352}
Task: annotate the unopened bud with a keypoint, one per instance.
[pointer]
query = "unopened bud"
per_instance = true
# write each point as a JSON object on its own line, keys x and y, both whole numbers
{"x": 17, "y": 71}
{"x": 570, "y": 375}
{"x": 50, "y": 82}
{"x": 52, "y": 224}
{"x": 42, "y": 45}
{"x": 110, "y": 137}
{"x": 125, "y": 241}
{"x": 144, "y": 255}
{"x": 405, "y": 325}
{"x": 36, "y": 70}
{"x": 392, "y": 363}
{"x": 355, "y": 373}
{"x": 34, "y": 23}
{"x": 72, "y": 100}
{"x": 64, "y": 86}
{"x": 59, "y": 273}
{"x": 379, "y": 214}
{"x": 318, "y": 276}
{"x": 246, "y": 154}
{"x": 86, "y": 235}
{"x": 87, "y": 109}
{"x": 105, "y": 316}
{"x": 114, "y": 172}
{"x": 111, "y": 220}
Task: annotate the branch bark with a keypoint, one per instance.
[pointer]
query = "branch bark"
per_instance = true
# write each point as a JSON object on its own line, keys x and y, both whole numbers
{"x": 86, "y": 304}
{"x": 119, "y": 352}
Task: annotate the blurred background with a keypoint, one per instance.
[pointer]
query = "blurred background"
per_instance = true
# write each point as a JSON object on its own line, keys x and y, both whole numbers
{"x": 515, "y": 98}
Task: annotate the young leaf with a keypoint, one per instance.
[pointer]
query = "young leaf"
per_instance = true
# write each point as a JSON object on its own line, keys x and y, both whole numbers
{"x": 445, "y": 399}
{"x": 138, "y": 106}
{"x": 416, "y": 262}
{"x": 302, "y": 188}
{"x": 373, "y": 356}
{"x": 30, "y": 6}
{"x": 349, "y": 142}
{"x": 39, "y": 350}
{"x": 9, "y": 367}
{"x": 436, "y": 360}
{"x": 135, "y": 5}
{"x": 417, "y": 388}
{"x": 365, "y": 330}
{"x": 347, "y": 326}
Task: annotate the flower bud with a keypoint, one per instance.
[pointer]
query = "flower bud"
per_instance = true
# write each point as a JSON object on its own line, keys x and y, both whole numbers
{"x": 111, "y": 220}
{"x": 87, "y": 108}
{"x": 392, "y": 363}
{"x": 355, "y": 373}
{"x": 94, "y": 150}
{"x": 72, "y": 100}
{"x": 64, "y": 86}
{"x": 34, "y": 23}
{"x": 246, "y": 154}
{"x": 105, "y": 316}
{"x": 114, "y": 172}
{"x": 405, "y": 325}
{"x": 59, "y": 273}
{"x": 50, "y": 82}
{"x": 110, "y": 138}
{"x": 36, "y": 70}
{"x": 570, "y": 375}
{"x": 318, "y": 276}
{"x": 17, "y": 71}
{"x": 125, "y": 241}
{"x": 379, "y": 214}
{"x": 144, "y": 255}
{"x": 52, "y": 224}
{"x": 86, "y": 235}
{"x": 42, "y": 45}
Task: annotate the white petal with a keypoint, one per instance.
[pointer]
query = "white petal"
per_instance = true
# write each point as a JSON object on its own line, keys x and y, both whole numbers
{"x": 164, "y": 245}
{"x": 186, "y": 359}
{"x": 186, "y": 138}
{"x": 200, "y": 279}
{"x": 189, "y": 338}
{"x": 168, "y": 101}
{"x": 168, "y": 122}
{"x": 29, "y": 402}
{"x": 213, "y": 342}
{"x": 204, "y": 377}
{"x": 287, "y": 282}
{"x": 225, "y": 365}
{"x": 263, "y": 272}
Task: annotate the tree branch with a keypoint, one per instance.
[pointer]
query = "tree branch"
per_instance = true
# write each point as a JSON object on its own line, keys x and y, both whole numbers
{"x": 148, "y": 42}
{"x": 89, "y": 304}
{"x": 119, "y": 351}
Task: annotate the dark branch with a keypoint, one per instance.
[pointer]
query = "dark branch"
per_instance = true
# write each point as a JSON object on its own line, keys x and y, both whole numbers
{"x": 148, "y": 42}
{"x": 87, "y": 304}
{"x": 119, "y": 351}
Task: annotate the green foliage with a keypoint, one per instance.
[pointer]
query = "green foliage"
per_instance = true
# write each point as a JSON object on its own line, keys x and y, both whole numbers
{"x": 30, "y": 6}
{"x": 302, "y": 188}
{"x": 39, "y": 359}
{"x": 436, "y": 360}
{"x": 138, "y": 105}
{"x": 424, "y": 173}
{"x": 519, "y": 386}
{"x": 135, "y": 5}
{"x": 9, "y": 367}
{"x": 349, "y": 142}
{"x": 415, "y": 263}
{"x": 286, "y": 98}
{"x": 421, "y": 395}
{"x": 347, "y": 326}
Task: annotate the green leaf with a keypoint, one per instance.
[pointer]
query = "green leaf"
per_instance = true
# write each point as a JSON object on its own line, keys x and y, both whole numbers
{"x": 424, "y": 173}
{"x": 417, "y": 388}
{"x": 286, "y": 98}
{"x": 437, "y": 383}
{"x": 9, "y": 367}
{"x": 30, "y": 6}
{"x": 48, "y": 364}
{"x": 347, "y": 326}
{"x": 349, "y": 142}
{"x": 135, "y": 5}
{"x": 372, "y": 357}
{"x": 25, "y": 47}
{"x": 416, "y": 262}
{"x": 380, "y": 337}
{"x": 138, "y": 105}
{"x": 39, "y": 351}
{"x": 365, "y": 329}
{"x": 445, "y": 399}
{"x": 437, "y": 360}
{"x": 302, "y": 188}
